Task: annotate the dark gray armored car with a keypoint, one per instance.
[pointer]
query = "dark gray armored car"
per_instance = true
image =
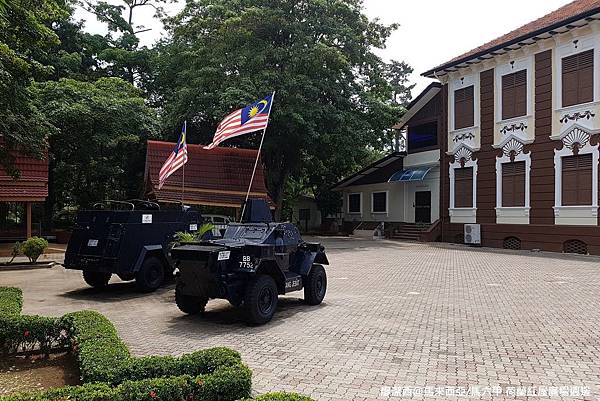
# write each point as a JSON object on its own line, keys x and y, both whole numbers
{"x": 250, "y": 266}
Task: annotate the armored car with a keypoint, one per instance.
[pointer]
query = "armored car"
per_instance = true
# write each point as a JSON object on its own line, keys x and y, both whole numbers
{"x": 254, "y": 263}
{"x": 129, "y": 239}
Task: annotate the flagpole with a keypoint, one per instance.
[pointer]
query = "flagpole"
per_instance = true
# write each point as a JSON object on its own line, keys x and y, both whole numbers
{"x": 262, "y": 139}
{"x": 183, "y": 172}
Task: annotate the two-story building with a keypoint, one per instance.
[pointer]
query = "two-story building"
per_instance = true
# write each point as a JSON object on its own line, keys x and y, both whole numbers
{"x": 402, "y": 189}
{"x": 521, "y": 118}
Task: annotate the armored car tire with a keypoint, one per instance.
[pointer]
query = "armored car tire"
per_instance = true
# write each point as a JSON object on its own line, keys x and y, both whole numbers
{"x": 96, "y": 279}
{"x": 260, "y": 301}
{"x": 190, "y": 304}
{"x": 151, "y": 275}
{"x": 315, "y": 285}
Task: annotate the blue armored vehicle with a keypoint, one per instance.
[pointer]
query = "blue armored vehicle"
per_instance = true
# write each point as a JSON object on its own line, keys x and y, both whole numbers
{"x": 129, "y": 239}
{"x": 255, "y": 262}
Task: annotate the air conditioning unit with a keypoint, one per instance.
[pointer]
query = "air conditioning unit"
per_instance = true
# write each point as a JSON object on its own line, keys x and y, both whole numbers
{"x": 472, "y": 234}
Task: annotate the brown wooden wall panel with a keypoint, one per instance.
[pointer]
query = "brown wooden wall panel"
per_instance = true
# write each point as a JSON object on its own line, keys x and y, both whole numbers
{"x": 486, "y": 157}
{"x": 542, "y": 155}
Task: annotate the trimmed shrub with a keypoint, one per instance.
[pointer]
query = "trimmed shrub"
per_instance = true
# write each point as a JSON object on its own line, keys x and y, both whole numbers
{"x": 33, "y": 248}
{"x": 106, "y": 366}
{"x": 225, "y": 384}
{"x": 27, "y": 333}
{"x": 100, "y": 352}
{"x": 11, "y": 301}
{"x": 280, "y": 397}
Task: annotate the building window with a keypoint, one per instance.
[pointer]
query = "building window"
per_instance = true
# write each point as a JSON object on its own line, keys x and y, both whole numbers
{"x": 514, "y": 95}
{"x": 464, "y": 108}
{"x": 513, "y": 184}
{"x": 422, "y": 136}
{"x": 577, "y": 180}
{"x": 354, "y": 203}
{"x": 578, "y": 78}
{"x": 463, "y": 187}
{"x": 379, "y": 202}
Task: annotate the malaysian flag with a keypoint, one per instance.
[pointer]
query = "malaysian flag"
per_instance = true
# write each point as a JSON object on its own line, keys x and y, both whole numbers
{"x": 177, "y": 158}
{"x": 243, "y": 121}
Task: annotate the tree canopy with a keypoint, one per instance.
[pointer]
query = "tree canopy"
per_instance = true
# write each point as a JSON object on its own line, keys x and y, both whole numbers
{"x": 334, "y": 95}
{"x": 97, "y": 151}
{"x": 93, "y": 100}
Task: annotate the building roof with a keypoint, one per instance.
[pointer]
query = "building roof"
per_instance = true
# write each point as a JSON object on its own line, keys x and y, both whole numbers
{"x": 216, "y": 177}
{"x": 32, "y": 184}
{"x": 417, "y": 104}
{"x": 377, "y": 172}
{"x": 578, "y": 10}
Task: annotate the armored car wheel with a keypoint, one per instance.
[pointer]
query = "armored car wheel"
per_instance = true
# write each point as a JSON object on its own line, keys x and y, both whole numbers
{"x": 189, "y": 304}
{"x": 96, "y": 279}
{"x": 260, "y": 301}
{"x": 151, "y": 275}
{"x": 315, "y": 285}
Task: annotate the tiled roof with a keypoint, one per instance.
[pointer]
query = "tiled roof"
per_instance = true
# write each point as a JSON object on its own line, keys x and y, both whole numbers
{"x": 31, "y": 185}
{"x": 573, "y": 11}
{"x": 218, "y": 177}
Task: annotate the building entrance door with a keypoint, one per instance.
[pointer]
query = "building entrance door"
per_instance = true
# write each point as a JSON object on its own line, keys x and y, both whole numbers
{"x": 423, "y": 207}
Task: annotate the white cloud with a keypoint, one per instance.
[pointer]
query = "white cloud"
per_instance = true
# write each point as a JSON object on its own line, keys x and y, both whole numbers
{"x": 430, "y": 33}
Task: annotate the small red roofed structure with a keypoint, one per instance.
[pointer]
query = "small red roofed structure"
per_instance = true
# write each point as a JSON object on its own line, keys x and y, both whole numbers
{"x": 30, "y": 187}
{"x": 217, "y": 177}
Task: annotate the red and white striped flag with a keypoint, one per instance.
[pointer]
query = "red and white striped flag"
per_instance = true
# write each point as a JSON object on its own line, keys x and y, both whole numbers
{"x": 243, "y": 121}
{"x": 176, "y": 159}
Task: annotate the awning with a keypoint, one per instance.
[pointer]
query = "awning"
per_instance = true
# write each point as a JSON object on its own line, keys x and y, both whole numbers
{"x": 412, "y": 174}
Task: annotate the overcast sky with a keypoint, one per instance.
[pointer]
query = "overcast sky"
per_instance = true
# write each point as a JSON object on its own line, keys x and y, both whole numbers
{"x": 430, "y": 33}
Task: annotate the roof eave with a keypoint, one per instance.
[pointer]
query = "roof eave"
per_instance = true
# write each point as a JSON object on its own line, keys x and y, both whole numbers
{"x": 442, "y": 68}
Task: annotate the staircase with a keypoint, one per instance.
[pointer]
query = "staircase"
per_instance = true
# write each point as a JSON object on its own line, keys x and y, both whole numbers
{"x": 409, "y": 231}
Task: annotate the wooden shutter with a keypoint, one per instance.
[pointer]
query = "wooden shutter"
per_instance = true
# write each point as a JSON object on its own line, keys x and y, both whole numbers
{"x": 463, "y": 187}
{"x": 514, "y": 94}
{"x": 577, "y": 180}
{"x": 513, "y": 184}
{"x": 578, "y": 78}
{"x": 463, "y": 108}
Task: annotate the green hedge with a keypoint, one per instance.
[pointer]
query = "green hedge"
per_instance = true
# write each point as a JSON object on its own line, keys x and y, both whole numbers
{"x": 224, "y": 384}
{"x": 107, "y": 368}
{"x": 27, "y": 332}
{"x": 11, "y": 301}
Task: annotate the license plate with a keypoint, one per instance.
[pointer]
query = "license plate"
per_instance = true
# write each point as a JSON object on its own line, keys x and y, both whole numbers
{"x": 193, "y": 227}
{"x": 224, "y": 255}
{"x": 93, "y": 242}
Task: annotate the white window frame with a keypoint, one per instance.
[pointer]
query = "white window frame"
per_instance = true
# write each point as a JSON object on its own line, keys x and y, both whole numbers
{"x": 467, "y": 215}
{"x": 387, "y": 207}
{"x": 574, "y": 47}
{"x": 460, "y": 83}
{"x": 361, "y": 203}
{"x": 577, "y": 214}
{"x": 509, "y": 68}
{"x": 513, "y": 214}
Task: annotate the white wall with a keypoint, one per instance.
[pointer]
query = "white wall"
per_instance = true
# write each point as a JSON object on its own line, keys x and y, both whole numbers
{"x": 401, "y": 198}
{"x": 315, "y": 214}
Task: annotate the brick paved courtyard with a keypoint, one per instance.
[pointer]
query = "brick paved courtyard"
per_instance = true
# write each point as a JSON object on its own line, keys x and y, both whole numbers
{"x": 396, "y": 314}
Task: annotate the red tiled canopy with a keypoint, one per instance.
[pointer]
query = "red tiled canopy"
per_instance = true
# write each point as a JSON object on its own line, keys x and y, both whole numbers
{"x": 216, "y": 177}
{"x": 31, "y": 186}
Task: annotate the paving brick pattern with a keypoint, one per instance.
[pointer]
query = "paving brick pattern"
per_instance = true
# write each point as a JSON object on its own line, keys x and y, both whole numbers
{"x": 396, "y": 316}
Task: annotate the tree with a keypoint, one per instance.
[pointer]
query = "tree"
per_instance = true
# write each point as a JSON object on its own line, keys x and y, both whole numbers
{"x": 123, "y": 56}
{"x": 98, "y": 151}
{"x": 25, "y": 40}
{"x": 333, "y": 101}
